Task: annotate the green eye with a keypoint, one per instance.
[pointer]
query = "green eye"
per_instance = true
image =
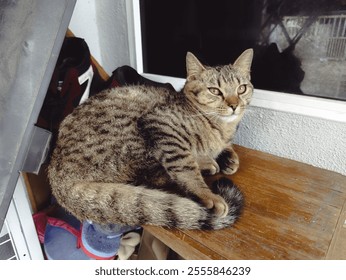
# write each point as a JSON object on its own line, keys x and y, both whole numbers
{"x": 215, "y": 91}
{"x": 241, "y": 89}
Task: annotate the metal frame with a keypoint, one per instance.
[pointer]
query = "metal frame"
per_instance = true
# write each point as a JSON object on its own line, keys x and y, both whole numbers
{"x": 21, "y": 227}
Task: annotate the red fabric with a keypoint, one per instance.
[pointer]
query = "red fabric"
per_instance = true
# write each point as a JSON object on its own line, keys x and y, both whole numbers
{"x": 91, "y": 255}
{"x": 114, "y": 83}
{"x": 71, "y": 92}
{"x": 41, "y": 220}
{"x": 62, "y": 224}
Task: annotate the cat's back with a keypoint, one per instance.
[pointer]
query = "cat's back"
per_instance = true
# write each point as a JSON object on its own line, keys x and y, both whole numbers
{"x": 116, "y": 106}
{"x": 125, "y": 99}
{"x": 104, "y": 125}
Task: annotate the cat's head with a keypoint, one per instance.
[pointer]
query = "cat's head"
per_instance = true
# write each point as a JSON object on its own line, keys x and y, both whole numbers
{"x": 223, "y": 91}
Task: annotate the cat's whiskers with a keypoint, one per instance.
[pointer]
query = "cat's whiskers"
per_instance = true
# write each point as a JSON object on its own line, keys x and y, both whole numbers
{"x": 212, "y": 114}
{"x": 217, "y": 113}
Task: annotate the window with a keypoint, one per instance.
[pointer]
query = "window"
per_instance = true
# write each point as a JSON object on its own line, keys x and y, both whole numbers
{"x": 300, "y": 45}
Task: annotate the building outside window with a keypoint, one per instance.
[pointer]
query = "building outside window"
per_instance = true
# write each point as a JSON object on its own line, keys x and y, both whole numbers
{"x": 300, "y": 45}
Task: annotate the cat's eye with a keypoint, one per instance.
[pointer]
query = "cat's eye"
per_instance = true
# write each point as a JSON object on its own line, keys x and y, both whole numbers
{"x": 215, "y": 91}
{"x": 241, "y": 89}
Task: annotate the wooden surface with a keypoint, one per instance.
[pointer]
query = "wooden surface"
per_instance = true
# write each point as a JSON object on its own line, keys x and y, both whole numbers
{"x": 38, "y": 189}
{"x": 292, "y": 211}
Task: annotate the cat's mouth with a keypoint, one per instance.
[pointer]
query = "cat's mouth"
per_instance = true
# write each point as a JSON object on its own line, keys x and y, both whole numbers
{"x": 229, "y": 118}
{"x": 228, "y": 115}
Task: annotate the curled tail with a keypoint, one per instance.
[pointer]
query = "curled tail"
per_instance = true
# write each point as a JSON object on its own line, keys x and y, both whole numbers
{"x": 108, "y": 203}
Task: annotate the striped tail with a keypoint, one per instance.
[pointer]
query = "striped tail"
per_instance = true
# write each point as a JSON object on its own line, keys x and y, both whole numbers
{"x": 110, "y": 203}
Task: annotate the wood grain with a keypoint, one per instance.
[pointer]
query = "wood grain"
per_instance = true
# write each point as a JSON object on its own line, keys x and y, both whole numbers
{"x": 292, "y": 211}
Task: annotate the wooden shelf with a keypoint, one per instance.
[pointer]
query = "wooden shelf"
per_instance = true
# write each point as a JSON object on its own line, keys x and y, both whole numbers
{"x": 292, "y": 211}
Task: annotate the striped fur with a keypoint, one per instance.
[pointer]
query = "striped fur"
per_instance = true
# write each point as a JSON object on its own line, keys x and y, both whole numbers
{"x": 135, "y": 155}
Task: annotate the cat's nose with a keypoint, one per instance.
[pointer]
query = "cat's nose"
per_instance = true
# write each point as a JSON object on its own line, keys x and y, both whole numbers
{"x": 233, "y": 106}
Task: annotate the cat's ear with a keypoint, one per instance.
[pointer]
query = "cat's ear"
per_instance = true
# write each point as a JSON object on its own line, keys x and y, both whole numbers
{"x": 244, "y": 61}
{"x": 193, "y": 66}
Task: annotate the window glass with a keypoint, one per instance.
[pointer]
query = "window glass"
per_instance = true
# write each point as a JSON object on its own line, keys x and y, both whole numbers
{"x": 300, "y": 45}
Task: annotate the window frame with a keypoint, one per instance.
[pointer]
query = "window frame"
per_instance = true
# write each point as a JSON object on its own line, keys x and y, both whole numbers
{"x": 318, "y": 107}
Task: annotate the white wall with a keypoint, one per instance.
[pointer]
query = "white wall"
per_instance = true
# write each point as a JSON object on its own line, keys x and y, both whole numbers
{"x": 103, "y": 25}
{"x": 316, "y": 141}
{"x": 311, "y": 140}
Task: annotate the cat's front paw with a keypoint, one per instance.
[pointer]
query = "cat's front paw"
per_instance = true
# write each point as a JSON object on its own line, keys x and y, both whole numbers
{"x": 228, "y": 161}
{"x": 208, "y": 166}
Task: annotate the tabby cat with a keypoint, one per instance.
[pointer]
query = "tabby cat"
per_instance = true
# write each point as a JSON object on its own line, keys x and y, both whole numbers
{"x": 135, "y": 155}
